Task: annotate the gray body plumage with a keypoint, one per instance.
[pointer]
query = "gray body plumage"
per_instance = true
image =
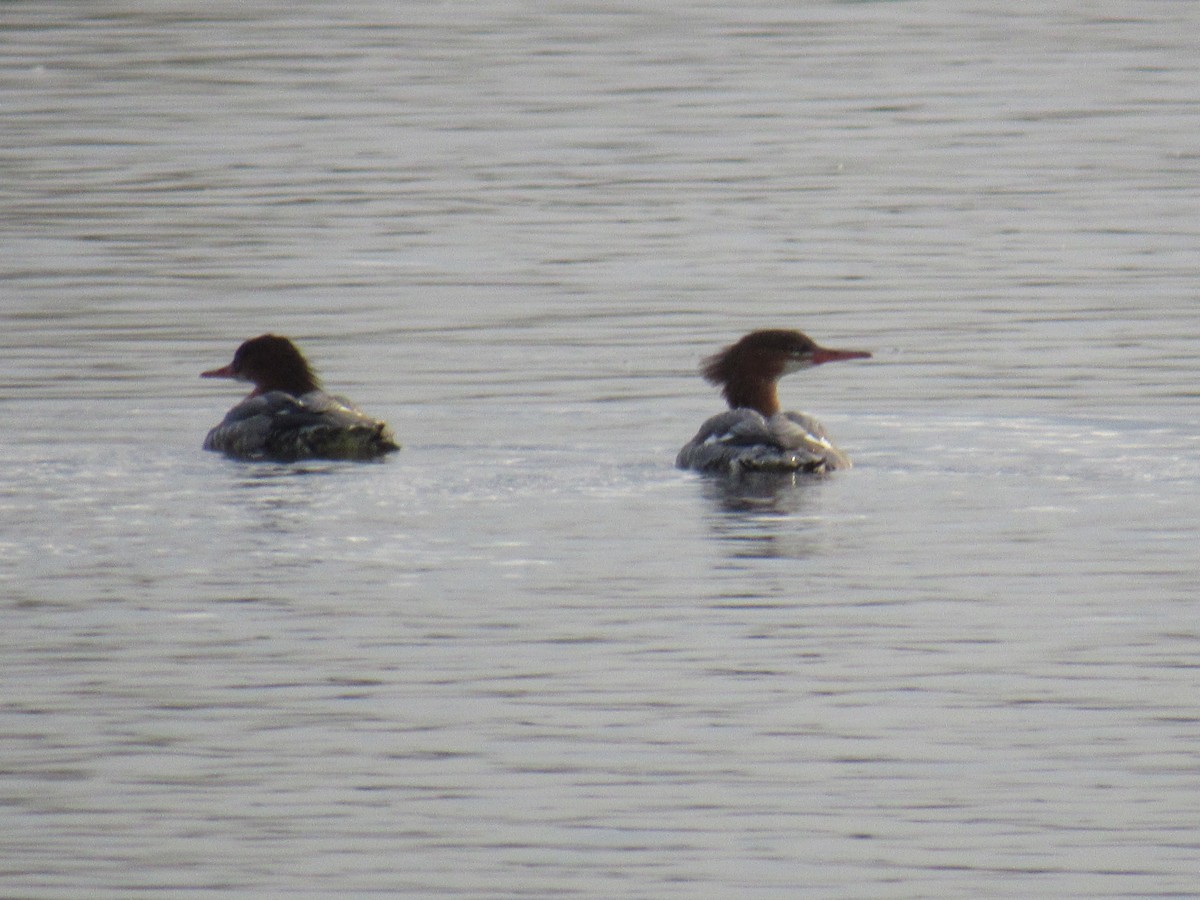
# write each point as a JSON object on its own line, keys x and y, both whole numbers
{"x": 280, "y": 427}
{"x": 744, "y": 440}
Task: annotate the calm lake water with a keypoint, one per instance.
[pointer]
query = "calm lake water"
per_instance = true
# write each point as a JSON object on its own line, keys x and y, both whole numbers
{"x": 526, "y": 657}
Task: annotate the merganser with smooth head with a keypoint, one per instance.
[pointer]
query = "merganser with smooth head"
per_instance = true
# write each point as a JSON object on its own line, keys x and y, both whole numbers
{"x": 287, "y": 417}
{"x": 753, "y": 435}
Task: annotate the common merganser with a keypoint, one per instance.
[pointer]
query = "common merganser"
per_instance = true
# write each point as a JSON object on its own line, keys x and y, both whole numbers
{"x": 753, "y": 435}
{"x": 287, "y": 417}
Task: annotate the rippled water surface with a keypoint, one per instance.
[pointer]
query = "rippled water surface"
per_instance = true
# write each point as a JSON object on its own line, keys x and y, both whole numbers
{"x": 526, "y": 656}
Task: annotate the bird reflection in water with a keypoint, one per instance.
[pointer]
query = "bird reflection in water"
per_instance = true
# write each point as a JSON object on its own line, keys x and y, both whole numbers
{"x": 761, "y": 515}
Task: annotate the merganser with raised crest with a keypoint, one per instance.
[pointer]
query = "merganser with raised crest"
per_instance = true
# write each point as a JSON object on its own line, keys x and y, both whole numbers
{"x": 288, "y": 417}
{"x": 753, "y": 435}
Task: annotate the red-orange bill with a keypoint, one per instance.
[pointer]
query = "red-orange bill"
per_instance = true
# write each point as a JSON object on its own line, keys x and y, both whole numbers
{"x": 824, "y": 355}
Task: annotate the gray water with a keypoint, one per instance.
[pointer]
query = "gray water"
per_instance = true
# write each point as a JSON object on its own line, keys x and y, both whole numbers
{"x": 526, "y": 656}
